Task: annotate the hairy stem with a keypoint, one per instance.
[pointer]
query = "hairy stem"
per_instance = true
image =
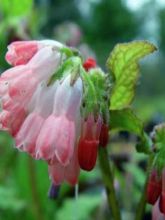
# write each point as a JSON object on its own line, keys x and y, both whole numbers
{"x": 142, "y": 202}
{"x": 33, "y": 184}
{"x": 109, "y": 183}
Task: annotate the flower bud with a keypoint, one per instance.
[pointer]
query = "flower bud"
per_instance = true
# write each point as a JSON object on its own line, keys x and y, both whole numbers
{"x": 154, "y": 187}
{"x": 87, "y": 153}
{"x": 104, "y": 135}
{"x": 89, "y": 63}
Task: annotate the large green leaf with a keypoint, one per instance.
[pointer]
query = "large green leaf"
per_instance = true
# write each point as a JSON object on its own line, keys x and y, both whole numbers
{"x": 123, "y": 65}
{"x": 126, "y": 120}
{"x": 15, "y": 8}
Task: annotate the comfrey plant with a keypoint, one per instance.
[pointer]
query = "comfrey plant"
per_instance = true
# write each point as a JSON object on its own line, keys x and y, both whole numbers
{"x": 60, "y": 108}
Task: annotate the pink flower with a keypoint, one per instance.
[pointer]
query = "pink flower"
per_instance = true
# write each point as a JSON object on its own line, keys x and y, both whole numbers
{"x": 27, "y": 135}
{"x": 41, "y": 106}
{"x": 59, "y": 173}
{"x": 57, "y": 138}
{"x": 41, "y": 67}
{"x": 45, "y": 119}
{"x": 13, "y": 119}
{"x": 58, "y": 134}
{"x": 21, "y": 52}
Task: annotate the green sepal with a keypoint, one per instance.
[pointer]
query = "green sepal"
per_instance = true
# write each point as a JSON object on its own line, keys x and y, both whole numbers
{"x": 144, "y": 144}
{"x": 68, "y": 66}
{"x": 158, "y": 137}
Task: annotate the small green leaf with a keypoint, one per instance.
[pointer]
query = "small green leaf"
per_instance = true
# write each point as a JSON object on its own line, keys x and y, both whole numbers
{"x": 123, "y": 65}
{"x": 126, "y": 120}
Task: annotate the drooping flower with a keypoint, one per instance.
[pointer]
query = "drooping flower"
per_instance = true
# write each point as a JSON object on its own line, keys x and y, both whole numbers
{"x": 21, "y": 52}
{"x": 41, "y": 100}
{"x": 89, "y": 142}
{"x": 41, "y": 107}
{"x": 60, "y": 126}
{"x": 69, "y": 173}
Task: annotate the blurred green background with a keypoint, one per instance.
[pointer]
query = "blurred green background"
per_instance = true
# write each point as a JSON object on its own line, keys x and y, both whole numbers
{"x": 93, "y": 26}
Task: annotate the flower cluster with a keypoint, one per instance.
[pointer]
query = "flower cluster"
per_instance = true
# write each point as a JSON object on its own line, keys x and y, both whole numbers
{"x": 51, "y": 107}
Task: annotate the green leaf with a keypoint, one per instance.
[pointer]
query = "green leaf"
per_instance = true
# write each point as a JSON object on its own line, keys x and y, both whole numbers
{"x": 15, "y": 8}
{"x": 80, "y": 209}
{"x": 123, "y": 65}
{"x": 126, "y": 120}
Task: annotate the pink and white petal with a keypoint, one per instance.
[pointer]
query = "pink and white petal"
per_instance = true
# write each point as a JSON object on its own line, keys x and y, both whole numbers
{"x": 20, "y": 52}
{"x": 45, "y": 63}
{"x": 28, "y": 133}
{"x": 22, "y": 88}
{"x": 72, "y": 170}
{"x": 72, "y": 95}
{"x": 56, "y": 173}
{"x": 45, "y": 144}
{"x": 64, "y": 139}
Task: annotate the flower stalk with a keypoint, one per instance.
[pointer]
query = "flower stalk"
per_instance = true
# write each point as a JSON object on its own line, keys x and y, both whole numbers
{"x": 107, "y": 176}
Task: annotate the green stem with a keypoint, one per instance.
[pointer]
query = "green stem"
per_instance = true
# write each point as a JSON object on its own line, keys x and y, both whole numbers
{"x": 109, "y": 183}
{"x": 33, "y": 184}
{"x": 142, "y": 202}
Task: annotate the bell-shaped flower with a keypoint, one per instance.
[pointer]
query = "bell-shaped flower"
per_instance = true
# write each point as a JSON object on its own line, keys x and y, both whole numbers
{"x": 88, "y": 142}
{"x": 41, "y": 107}
{"x": 13, "y": 119}
{"x": 58, "y": 134}
{"x": 69, "y": 173}
{"x": 40, "y": 68}
{"x": 21, "y": 52}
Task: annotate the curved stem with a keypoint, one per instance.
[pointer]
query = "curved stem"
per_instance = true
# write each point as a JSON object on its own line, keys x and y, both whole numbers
{"x": 142, "y": 202}
{"x": 33, "y": 184}
{"x": 109, "y": 183}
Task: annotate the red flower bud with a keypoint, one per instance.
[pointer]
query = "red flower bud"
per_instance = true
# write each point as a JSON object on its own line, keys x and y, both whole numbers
{"x": 104, "y": 136}
{"x": 154, "y": 188}
{"x": 89, "y": 63}
{"x": 87, "y": 153}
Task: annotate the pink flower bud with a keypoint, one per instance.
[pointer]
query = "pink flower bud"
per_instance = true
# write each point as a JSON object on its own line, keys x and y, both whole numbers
{"x": 20, "y": 52}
